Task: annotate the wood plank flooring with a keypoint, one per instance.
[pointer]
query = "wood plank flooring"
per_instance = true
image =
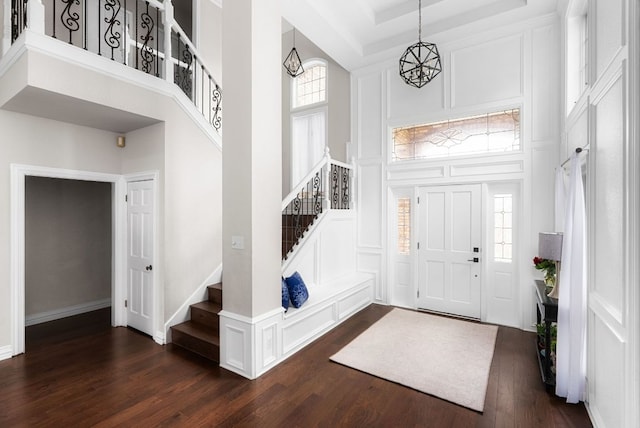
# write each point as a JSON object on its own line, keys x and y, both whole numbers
{"x": 94, "y": 375}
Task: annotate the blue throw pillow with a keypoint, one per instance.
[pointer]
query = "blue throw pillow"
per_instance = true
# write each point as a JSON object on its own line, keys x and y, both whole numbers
{"x": 285, "y": 295}
{"x": 297, "y": 290}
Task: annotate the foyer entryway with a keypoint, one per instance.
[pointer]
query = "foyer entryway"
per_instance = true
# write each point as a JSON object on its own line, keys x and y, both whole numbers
{"x": 449, "y": 242}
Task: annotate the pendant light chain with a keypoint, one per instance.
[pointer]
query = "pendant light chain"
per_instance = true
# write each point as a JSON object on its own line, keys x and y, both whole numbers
{"x": 420, "y": 20}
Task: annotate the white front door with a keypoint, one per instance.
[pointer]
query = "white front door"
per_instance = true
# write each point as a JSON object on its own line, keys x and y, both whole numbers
{"x": 449, "y": 236}
{"x": 140, "y": 256}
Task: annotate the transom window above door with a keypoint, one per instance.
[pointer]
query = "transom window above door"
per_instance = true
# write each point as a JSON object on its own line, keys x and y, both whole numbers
{"x": 486, "y": 133}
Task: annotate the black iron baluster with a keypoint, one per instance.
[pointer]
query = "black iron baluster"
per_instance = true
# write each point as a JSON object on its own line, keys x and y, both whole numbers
{"x": 194, "y": 79}
{"x": 70, "y": 19}
{"x": 345, "y": 192}
{"x": 217, "y": 110}
{"x": 54, "y": 18}
{"x": 146, "y": 52}
{"x": 202, "y": 88}
{"x": 111, "y": 36}
{"x": 85, "y": 26}
{"x": 157, "y": 41}
{"x": 124, "y": 34}
{"x": 99, "y": 30}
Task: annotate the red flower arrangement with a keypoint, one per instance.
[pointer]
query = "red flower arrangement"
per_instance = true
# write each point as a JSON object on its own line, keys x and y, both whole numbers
{"x": 549, "y": 266}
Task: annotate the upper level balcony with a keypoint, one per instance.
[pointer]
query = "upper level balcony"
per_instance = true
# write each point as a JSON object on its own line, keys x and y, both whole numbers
{"x": 103, "y": 63}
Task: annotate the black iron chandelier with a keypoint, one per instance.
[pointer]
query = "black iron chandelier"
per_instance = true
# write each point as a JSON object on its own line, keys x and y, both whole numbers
{"x": 292, "y": 62}
{"x": 420, "y": 63}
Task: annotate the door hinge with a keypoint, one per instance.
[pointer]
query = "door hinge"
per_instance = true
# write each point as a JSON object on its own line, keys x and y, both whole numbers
{"x": 125, "y": 303}
{"x": 418, "y": 200}
{"x": 418, "y": 294}
{"x": 418, "y": 245}
{"x": 126, "y": 198}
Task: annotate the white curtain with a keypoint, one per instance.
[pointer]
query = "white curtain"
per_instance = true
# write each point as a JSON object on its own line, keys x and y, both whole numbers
{"x": 308, "y": 143}
{"x": 571, "y": 350}
{"x": 560, "y": 200}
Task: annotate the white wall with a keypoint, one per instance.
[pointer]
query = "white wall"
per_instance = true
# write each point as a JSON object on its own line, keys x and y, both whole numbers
{"x": 516, "y": 66}
{"x": 606, "y": 118}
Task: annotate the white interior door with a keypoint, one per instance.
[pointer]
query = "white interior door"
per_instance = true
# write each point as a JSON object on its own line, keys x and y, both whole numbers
{"x": 449, "y": 230}
{"x": 140, "y": 256}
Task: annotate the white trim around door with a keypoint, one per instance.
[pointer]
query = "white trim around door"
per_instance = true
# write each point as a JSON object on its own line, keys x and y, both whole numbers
{"x": 17, "y": 277}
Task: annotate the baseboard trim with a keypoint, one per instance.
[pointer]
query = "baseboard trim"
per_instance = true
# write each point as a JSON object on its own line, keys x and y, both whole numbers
{"x": 69, "y": 311}
{"x": 6, "y": 352}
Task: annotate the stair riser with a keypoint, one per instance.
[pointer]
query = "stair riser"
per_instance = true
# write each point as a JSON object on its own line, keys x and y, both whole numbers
{"x": 205, "y": 318}
{"x": 196, "y": 345}
{"x": 214, "y": 295}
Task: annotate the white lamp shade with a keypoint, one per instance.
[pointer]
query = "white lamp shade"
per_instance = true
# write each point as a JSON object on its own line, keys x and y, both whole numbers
{"x": 550, "y": 246}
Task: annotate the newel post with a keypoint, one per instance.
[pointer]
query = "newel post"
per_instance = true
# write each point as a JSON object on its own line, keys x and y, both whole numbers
{"x": 6, "y": 27}
{"x": 327, "y": 179}
{"x": 35, "y": 16}
{"x": 168, "y": 23}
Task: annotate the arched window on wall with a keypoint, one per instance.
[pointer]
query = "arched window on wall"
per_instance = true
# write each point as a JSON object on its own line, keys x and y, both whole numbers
{"x": 308, "y": 119}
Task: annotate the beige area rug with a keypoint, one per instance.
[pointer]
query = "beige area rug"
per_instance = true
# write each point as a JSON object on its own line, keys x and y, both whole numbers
{"x": 440, "y": 356}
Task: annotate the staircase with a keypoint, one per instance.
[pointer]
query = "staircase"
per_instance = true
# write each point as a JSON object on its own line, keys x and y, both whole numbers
{"x": 201, "y": 334}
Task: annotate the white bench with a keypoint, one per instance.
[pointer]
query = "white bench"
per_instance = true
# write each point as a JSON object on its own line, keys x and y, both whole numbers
{"x": 328, "y": 305}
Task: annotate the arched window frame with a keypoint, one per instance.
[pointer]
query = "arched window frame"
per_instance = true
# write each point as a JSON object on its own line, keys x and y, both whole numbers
{"x": 308, "y": 65}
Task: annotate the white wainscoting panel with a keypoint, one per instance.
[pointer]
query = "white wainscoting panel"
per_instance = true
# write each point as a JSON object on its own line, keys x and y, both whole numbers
{"x": 545, "y": 86}
{"x": 235, "y": 344}
{"x": 370, "y": 131}
{"x": 372, "y": 261}
{"x": 305, "y": 325}
{"x": 370, "y": 207}
{"x": 509, "y": 167}
{"x": 337, "y": 249}
{"x": 406, "y": 101}
{"x": 609, "y": 188}
{"x": 606, "y": 376}
{"x": 354, "y": 301}
{"x": 488, "y": 72}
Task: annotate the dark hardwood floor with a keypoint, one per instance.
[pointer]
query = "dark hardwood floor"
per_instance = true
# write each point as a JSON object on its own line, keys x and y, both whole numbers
{"x": 80, "y": 372}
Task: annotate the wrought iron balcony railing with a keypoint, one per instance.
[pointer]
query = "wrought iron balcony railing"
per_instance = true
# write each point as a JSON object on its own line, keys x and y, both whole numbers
{"x": 131, "y": 32}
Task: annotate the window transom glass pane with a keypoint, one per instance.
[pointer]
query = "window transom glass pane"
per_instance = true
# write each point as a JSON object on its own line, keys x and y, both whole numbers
{"x": 404, "y": 226}
{"x": 487, "y": 133}
{"x": 311, "y": 86}
{"x": 503, "y": 228}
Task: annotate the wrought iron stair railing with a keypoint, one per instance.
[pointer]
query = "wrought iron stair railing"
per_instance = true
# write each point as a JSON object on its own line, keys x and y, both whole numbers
{"x": 131, "y": 32}
{"x": 326, "y": 187}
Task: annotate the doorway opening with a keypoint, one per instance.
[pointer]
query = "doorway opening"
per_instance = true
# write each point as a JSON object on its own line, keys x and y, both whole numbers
{"x": 68, "y": 249}
{"x": 117, "y": 187}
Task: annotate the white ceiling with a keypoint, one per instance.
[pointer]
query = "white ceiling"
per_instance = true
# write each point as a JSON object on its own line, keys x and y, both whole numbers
{"x": 357, "y": 33}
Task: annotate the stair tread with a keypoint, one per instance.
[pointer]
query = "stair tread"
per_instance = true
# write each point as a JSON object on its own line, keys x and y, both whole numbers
{"x": 198, "y": 331}
{"x": 217, "y": 286}
{"x": 208, "y": 306}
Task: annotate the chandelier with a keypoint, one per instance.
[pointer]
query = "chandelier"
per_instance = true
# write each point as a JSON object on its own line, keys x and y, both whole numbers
{"x": 292, "y": 62}
{"x": 420, "y": 63}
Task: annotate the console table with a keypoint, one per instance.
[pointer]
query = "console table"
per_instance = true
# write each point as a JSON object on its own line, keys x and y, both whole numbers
{"x": 547, "y": 313}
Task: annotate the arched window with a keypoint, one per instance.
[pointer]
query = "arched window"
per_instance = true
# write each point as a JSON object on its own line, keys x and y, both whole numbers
{"x": 311, "y": 86}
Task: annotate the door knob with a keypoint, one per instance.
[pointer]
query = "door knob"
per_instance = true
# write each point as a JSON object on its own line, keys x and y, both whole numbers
{"x": 475, "y": 260}
{"x": 149, "y": 267}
